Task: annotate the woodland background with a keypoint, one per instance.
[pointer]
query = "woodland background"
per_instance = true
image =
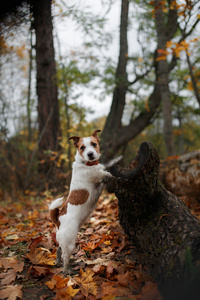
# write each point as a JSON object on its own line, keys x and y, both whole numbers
{"x": 153, "y": 89}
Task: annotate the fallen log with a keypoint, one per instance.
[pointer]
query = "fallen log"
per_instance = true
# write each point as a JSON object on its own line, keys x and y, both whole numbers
{"x": 181, "y": 175}
{"x": 159, "y": 225}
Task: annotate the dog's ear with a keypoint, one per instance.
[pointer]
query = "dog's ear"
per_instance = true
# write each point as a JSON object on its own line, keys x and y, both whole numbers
{"x": 76, "y": 139}
{"x": 94, "y": 134}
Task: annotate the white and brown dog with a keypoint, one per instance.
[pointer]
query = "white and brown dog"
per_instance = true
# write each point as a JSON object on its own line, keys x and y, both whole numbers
{"x": 85, "y": 188}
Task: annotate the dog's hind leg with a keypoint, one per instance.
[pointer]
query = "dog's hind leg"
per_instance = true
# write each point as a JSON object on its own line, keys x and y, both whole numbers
{"x": 58, "y": 257}
{"x": 67, "y": 250}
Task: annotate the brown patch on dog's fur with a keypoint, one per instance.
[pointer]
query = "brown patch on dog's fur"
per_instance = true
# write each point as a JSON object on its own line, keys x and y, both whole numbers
{"x": 94, "y": 134}
{"x": 76, "y": 140}
{"x": 78, "y": 197}
{"x": 54, "y": 214}
{"x": 96, "y": 141}
{"x": 64, "y": 209}
{"x": 79, "y": 145}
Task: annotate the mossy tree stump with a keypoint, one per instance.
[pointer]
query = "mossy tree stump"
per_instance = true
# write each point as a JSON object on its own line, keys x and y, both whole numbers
{"x": 159, "y": 225}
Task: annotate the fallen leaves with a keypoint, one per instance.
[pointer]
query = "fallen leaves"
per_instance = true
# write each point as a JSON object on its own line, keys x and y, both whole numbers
{"x": 11, "y": 262}
{"x": 11, "y": 267}
{"x": 41, "y": 256}
{"x": 8, "y": 277}
{"x": 86, "y": 282}
{"x": 102, "y": 260}
{"x": 11, "y": 292}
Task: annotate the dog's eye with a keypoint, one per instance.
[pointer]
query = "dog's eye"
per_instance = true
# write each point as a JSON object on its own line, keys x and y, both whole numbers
{"x": 82, "y": 148}
{"x": 94, "y": 145}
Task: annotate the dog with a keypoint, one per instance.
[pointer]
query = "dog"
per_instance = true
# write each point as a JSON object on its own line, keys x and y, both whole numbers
{"x": 87, "y": 181}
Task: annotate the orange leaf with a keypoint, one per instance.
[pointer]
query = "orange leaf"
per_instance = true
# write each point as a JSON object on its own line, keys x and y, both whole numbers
{"x": 162, "y": 57}
{"x": 86, "y": 283}
{"x": 51, "y": 283}
{"x": 57, "y": 281}
{"x": 60, "y": 281}
{"x": 67, "y": 293}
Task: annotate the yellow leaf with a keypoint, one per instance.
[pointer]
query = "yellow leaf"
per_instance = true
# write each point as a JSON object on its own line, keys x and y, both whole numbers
{"x": 72, "y": 292}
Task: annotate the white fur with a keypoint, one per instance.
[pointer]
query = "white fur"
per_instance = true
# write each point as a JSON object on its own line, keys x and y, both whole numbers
{"x": 56, "y": 203}
{"x": 85, "y": 177}
{"x": 88, "y": 149}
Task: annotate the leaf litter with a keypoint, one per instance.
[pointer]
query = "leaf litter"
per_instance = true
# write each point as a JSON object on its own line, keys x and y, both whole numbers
{"x": 104, "y": 263}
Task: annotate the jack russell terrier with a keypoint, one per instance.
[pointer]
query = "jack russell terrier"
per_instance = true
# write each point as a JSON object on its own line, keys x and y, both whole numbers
{"x": 85, "y": 188}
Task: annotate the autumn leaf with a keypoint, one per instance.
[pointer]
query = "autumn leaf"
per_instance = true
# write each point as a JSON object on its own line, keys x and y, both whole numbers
{"x": 162, "y": 54}
{"x": 36, "y": 271}
{"x": 11, "y": 262}
{"x": 51, "y": 283}
{"x": 150, "y": 291}
{"x": 124, "y": 279}
{"x": 110, "y": 289}
{"x": 86, "y": 282}
{"x": 35, "y": 241}
{"x": 57, "y": 282}
{"x": 109, "y": 270}
{"x": 67, "y": 293}
{"x": 41, "y": 256}
{"x": 8, "y": 277}
{"x": 11, "y": 292}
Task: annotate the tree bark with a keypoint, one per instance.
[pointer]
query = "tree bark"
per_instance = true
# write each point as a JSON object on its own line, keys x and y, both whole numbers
{"x": 159, "y": 225}
{"x": 163, "y": 79}
{"x": 113, "y": 121}
{"x": 48, "y": 106}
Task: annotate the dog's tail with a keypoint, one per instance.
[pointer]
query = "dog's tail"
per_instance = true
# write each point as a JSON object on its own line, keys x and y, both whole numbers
{"x": 54, "y": 210}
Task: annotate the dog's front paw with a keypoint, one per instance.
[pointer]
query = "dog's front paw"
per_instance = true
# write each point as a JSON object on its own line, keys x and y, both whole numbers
{"x": 108, "y": 175}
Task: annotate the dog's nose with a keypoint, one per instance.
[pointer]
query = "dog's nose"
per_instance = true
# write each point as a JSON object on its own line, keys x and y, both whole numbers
{"x": 90, "y": 155}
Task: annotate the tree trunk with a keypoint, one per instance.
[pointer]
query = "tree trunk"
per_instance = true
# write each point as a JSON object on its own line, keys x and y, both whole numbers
{"x": 115, "y": 135}
{"x": 29, "y": 86}
{"x": 46, "y": 75}
{"x": 48, "y": 106}
{"x": 113, "y": 121}
{"x": 159, "y": 225}
{"x": 182, "y": 175}
{"x": 163, "y": 79}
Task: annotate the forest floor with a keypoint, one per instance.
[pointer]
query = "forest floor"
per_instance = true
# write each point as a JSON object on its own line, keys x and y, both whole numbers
{"x": 106, "y": 266}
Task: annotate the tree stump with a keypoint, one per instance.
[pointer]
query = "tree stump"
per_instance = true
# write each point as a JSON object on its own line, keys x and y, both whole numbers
{"x": 159, "y": 225}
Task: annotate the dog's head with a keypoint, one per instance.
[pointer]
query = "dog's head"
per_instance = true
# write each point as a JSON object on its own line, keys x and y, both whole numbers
{"x": 88, "y": 149}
